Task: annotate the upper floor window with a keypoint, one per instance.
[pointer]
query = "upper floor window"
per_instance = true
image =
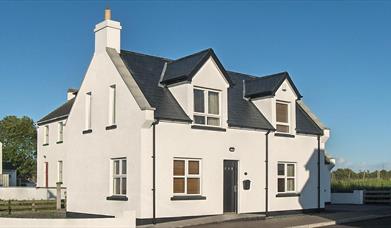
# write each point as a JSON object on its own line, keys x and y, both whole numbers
{"x": 46, "y": 135}
{"x": 282, "y": 117}
{"x": 112, "y": 105}
{"x": 286, "y": 181}
{"x": 207, "y": 107}
{"x": 88, "y": 111}
{"x": 60, "y": 133}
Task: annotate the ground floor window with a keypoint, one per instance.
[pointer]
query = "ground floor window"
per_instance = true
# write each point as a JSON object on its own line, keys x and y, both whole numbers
{"x": 286, "y": 181}
{"x": 187, "y": 176}
{"x": 119, "y": 176}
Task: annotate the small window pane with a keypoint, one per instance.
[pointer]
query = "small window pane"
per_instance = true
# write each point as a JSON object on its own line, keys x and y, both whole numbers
{"x": 199, "y": 103}
{"x": 199, "y": 119}
{"x": 281, "y": 169}
{"x": 116, "y": 167}
{"x": 123, "y": 186}
{"x": 290, "y": 170}
{"x": 282, "y": 128}
{"x": 213, "y": 121}
{"x": 117, "y": 186}
{"x": 123, "y": 166}
{"x": 194, "y": 167}
{"x": 179, "y": 168}
{"x": 179, "y": 185}
{"x": 193, "y": 186}
{"x": 290, "y": 184}
{"x": 213, "y": 103}
{"x": 281, "y": 185}
{"x": 282, "y": 113}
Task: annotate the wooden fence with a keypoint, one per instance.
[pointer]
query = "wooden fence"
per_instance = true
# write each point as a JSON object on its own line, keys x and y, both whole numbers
{"x": 10, "y": 206}
{"x": 377, "y": 197}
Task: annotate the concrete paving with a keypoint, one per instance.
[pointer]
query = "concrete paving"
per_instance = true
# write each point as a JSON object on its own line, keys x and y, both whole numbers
{"x": 333, "y": 214}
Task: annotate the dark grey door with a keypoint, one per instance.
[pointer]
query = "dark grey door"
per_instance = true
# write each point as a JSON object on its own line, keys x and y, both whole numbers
{"x": 230, "y": 186}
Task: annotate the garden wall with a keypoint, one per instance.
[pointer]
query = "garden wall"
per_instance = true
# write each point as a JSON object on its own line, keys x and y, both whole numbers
{"x": 29, "y": 193}
{"x": 354, "y": 197}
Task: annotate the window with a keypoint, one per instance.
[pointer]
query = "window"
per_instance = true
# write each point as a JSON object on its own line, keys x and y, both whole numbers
{"x": 59, "y": 171}
{"x": 206, "y": 111}
{"x": 46, "y": 135}
{"x": 88, "y": 111}
{"x": 119, "y": 176}
{"x": 112, "y": 105}
{"x": 187, "y": 177}
{"x": 286, "y": 181}
{"x": 60, "y": 133}
{"x": 282, "y": 117}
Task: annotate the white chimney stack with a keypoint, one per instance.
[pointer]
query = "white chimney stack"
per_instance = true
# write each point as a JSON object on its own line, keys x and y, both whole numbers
{"x": 107, "y": 34}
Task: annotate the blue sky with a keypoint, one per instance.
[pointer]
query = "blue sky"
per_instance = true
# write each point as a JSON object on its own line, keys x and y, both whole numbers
{"x": 338, "y": 54}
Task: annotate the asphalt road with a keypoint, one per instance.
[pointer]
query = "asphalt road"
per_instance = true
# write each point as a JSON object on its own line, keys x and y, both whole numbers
{"x": 376, "y": 223}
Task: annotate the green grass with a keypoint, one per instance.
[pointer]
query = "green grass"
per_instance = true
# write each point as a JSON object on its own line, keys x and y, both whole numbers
{"x": 360, "y": 184}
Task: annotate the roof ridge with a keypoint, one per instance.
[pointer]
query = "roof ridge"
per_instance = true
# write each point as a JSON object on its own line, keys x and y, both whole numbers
{"x": 191, "y": 55}
{"x": 244, "y": 74}
{"x": 148, "y": 55}
{"x": 285, "y": 73}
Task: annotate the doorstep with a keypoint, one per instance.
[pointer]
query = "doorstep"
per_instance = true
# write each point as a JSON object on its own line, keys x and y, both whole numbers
{"x": 206, "y": 220}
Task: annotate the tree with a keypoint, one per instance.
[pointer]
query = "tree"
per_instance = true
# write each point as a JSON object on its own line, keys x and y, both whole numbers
{"x": 19, "y": 138}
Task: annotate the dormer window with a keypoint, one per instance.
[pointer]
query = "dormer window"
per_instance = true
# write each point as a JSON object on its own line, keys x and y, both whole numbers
{"x": 282, "y": 117}
{"x": 207, "y": 107}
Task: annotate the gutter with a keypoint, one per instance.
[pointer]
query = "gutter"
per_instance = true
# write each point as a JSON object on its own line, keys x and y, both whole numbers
{"x": 156, "y": 122}
{"x": 267, "y": 175}
{"x": 318, "y": 173}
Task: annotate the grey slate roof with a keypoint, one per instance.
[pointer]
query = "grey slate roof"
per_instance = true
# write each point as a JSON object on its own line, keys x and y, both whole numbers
{"x": 147, "y": 71}
{"x": 61, "y": 112}
{"x": 241, "y": 112}
{"x": 305, "y": 124}
{"x": 267, "y": 85}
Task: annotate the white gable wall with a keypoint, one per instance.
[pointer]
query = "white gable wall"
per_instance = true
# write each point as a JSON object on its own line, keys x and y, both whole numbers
{"x": 89, "y": 181}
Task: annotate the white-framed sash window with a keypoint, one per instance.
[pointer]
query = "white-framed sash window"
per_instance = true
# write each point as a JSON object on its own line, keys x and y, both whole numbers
{"x": 60, "y": 133}
{"x": 112, "y": 105}
{"x": 46, "y": 135}
{"x": 283, "y": 117}
{"x": 59, "y": 171}
{"x": 119, "y": 176}
{"x": 186, "y": 176}
{"x": 286, "y": 180}
{"x": 207, "y": 110}
{"x": 88, "y": 98}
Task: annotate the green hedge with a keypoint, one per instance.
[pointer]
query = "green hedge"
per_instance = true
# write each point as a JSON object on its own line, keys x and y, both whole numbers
{"x": 360, "y": 184}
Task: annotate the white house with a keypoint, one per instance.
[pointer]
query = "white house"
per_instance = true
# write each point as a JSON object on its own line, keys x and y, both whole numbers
{"x": 177, "y": 138}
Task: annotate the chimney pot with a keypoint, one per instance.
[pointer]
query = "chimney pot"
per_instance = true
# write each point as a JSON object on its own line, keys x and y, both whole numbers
{"x": 107, "y": 13}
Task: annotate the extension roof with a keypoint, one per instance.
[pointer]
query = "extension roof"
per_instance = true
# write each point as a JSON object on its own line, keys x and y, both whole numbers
{"x": 152, "y": 72}
{"x": 59, "y": 113}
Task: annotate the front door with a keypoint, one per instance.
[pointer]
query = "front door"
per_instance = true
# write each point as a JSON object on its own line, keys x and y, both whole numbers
{"x": 230, "y": 186}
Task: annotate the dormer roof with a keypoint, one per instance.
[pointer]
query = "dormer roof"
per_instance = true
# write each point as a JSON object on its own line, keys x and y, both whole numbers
{"x": 265, "y": 86}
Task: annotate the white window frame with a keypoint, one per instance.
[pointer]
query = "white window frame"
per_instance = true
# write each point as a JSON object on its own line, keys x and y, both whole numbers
{"x": 289, "y": 117}
{"x": 112, "y": 105}
{"x": 286, "y": 177}
{"x": 46, "y": 135}
{"x": 60, "y": 131}
{"x": 60, "y": 170}
{"x": 187, "y": 175}
{"x": 206, "y": 114}
{"x": 88, "y": 99}
{"x": 120, "y": 175}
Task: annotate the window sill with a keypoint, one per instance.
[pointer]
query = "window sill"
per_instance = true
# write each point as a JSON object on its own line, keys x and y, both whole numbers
{"x": 87, "y": 131}
{"x": 59, "y": 142}
{"x": 210, "y": 128}
{"x": 284, "y": 135}
{"x": 188, "y": 198}
{"x": 117, "y": 198}
{"x": 111, "y": 127}
{"x": 293, "y": 194}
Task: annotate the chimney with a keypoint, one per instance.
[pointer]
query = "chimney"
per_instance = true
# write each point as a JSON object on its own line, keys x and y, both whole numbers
{"x": 71, "y": 93}
{"x": 107, "y": 34}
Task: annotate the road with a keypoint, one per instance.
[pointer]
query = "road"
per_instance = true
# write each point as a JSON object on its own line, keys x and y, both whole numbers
{"x": 376, "y": 223}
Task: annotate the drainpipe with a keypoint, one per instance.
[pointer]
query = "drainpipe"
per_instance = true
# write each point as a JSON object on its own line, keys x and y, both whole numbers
{"x": 318, "y": 173}
{"x": 154, "y": 171}
{"x": 267, "y": 175}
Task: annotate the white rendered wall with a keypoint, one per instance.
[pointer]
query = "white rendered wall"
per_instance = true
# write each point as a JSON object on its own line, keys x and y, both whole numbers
{"x": 29, "y": 193}
{"x": 51, "y": 153}
{"x": 355, "y": 197}
{"x": 89, "y": 179}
